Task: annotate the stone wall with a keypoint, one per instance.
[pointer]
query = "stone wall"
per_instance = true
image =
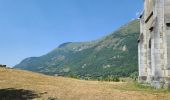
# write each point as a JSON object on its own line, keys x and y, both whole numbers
{"x": 154, "y": 49}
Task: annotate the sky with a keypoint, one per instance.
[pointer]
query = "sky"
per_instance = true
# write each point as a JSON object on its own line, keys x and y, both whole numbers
{"x": 31, "y": 28}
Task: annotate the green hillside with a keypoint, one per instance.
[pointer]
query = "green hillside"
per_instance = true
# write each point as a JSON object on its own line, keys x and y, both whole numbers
{"x": 115, "y": 54}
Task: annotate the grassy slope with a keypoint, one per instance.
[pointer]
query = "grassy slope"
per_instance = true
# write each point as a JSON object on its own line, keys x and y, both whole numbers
{"x": 47, "y": 87}
{"x": 93, "y": 59}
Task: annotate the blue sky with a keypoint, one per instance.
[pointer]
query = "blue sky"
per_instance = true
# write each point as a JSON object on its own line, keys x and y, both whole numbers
{"x": 35, "y": 27}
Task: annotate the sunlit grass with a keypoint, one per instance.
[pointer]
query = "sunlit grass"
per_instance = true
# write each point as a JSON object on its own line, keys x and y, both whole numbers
{"x": 74, "y": 89}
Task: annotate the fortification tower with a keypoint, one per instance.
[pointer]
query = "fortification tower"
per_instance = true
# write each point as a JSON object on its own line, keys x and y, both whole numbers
{"x": 154, "y": 44}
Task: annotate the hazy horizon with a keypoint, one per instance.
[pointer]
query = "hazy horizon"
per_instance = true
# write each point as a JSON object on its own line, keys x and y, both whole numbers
{"x": 35, "y": 27}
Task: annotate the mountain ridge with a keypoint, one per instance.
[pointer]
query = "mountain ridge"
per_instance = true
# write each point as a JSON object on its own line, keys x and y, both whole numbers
{"x": 115, "y": 54}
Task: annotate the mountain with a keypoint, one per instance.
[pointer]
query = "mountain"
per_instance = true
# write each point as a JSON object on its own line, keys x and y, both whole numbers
{"x": 115, "y": 54}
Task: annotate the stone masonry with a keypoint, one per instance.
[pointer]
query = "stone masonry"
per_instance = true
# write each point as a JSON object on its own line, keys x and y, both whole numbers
{"x": 154, "y": 44}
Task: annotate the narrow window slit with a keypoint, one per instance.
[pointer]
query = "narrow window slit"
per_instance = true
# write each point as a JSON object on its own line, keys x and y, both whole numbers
{"x": 151, "y": 29}
{"x": 168, "y": 24}
{"x": 150, "y": 44}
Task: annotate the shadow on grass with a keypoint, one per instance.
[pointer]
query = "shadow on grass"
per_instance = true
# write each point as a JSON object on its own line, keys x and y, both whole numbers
{"x": 17, "y": 94}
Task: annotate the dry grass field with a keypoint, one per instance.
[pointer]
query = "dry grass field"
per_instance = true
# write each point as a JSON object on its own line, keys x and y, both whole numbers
{"x": 25, "y": 85}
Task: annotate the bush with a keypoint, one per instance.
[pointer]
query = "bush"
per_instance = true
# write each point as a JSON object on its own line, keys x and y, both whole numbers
{"x": 134, "y": 76}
